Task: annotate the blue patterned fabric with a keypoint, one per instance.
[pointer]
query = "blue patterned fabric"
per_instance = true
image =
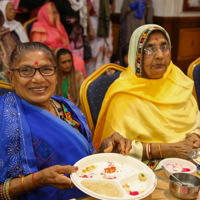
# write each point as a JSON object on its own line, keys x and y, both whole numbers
{"x": 32, "y": 139}
{"x": 96, "y": 92}
{"x": 4, "y": 90}
{"x": 196, "y": 76}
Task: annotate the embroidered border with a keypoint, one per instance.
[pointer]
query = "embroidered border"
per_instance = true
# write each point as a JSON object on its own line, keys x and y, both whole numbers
{"x": 142, "y": 41}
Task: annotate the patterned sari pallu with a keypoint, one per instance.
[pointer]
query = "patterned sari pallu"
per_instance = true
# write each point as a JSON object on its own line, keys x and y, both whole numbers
{"x": 33, "y": 139}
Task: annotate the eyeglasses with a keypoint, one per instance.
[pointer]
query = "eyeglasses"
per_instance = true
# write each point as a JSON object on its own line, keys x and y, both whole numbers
{"x": 30, "y": 71}
{"x": 152, "y": 50}
{"x": 10, "y": 9}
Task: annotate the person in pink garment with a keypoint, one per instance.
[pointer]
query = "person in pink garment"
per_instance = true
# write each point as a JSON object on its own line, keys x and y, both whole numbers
{"x": 49, "y": 30}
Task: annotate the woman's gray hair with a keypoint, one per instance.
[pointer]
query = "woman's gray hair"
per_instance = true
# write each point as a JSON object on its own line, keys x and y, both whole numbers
{"x": 21, "y": 49}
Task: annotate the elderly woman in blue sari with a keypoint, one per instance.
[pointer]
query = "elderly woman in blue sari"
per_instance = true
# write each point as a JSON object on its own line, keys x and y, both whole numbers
{"x": 42, "y": 136}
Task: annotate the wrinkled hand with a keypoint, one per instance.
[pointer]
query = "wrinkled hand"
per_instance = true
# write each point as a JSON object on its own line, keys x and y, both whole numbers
{"x": 55, "y": 176}
{"x": 197, "y": 141}
{"x": 182, "y": 148}
{"x": 115, "y": 144}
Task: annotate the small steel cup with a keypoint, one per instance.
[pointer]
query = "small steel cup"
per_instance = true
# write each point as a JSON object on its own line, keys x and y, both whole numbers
{"x": 185, "y": 192}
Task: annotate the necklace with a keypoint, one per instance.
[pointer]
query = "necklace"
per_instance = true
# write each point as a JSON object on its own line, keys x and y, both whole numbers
{"x": 55, "y": 107}
{"x": 58, "y": 110}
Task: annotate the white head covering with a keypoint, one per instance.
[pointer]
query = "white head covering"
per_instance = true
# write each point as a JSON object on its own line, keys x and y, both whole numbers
{"x": 82, "y": 7}
{"x": 137, "y": 42}
{"x": 13, "y": 25}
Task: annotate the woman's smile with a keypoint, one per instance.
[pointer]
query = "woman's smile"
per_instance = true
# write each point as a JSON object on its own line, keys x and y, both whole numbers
{"x": 38, "y": 89}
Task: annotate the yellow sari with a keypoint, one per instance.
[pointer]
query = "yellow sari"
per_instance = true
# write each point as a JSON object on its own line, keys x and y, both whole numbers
{"x": 149, "y": 110}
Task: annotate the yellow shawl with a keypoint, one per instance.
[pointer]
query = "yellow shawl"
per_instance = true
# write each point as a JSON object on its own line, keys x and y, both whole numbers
{"x": 148, "y": 110}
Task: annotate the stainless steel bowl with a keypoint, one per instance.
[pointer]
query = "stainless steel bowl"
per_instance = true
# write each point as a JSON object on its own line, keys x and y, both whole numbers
{"x": 193, "y": 154}
{"x": 185, "y": 192}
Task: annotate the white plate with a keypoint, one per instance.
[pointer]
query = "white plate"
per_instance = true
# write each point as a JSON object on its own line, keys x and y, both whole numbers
{"x": 186, "y": 164}
{"x": 137, "y": 165}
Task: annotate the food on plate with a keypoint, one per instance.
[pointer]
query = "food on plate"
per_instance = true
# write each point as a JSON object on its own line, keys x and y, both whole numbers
{"x": 107, "y": 170}
{"x": 102, "y": 188}
{"x": 176, "y": 167}
{"x": 153, "y": 163}
{"x": 197, "y": 159}
{"x": 89, "y": 169}
{"x": 142, "y": 177}
{"x": 135, "y": 188}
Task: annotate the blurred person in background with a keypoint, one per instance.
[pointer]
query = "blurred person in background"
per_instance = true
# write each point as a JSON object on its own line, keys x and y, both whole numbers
{"x": 69, "y": 80}
{"x": 16, "y": 28}
{"x": 49, "y": 30}
{"x": 73, "y": 15}
{"x": 134, "y": 13}
{"x": 7, "y": 44}
{"x": 100, "y": 33}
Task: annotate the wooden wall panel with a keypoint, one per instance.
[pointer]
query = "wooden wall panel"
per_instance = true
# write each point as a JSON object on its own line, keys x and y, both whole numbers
{"x": 189, "y": 44}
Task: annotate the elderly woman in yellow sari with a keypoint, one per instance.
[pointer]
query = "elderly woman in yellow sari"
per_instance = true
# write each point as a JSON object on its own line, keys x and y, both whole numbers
{"x": 151, "y": 103}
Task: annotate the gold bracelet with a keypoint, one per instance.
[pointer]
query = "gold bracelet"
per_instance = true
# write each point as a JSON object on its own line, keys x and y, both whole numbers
{"x": 150, "y": 152}
{"x": 23, "y": 185}
{"x": 160, "y": 150}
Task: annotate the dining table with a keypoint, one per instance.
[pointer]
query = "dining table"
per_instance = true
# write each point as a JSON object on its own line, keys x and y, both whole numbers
{"x": 161, "y": 192}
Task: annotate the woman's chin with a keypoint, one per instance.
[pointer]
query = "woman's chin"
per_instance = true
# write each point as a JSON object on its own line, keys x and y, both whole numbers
{"x": 158, "y": 73}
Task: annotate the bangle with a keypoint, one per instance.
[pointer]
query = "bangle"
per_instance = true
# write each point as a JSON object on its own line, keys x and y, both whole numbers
{"x": 7, "y": 189}
{"x": 147, "y": 152}
{"x": 33, "y": 180}
{"x": 150, "y": 152}
{"x": 4, "y": 190}
{"x": 23, "y": 185}
{"x": 1, "y": 191}
{"x": 160, "y": 150}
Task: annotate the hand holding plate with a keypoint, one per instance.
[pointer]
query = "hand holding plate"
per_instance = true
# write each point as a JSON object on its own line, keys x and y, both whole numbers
{"x": 55, "y": 176}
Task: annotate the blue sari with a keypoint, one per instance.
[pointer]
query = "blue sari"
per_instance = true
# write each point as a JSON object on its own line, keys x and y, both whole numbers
{"x": 32, "y": 139}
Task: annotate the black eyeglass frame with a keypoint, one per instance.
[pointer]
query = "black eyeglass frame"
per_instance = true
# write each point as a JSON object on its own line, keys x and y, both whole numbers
{"x": 35, "y": 71}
